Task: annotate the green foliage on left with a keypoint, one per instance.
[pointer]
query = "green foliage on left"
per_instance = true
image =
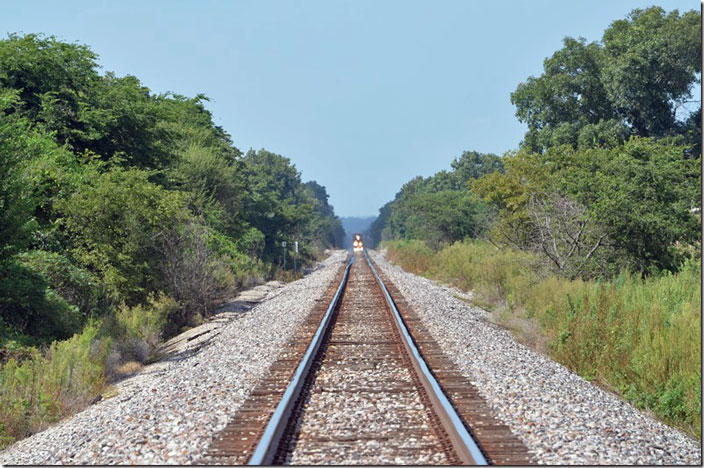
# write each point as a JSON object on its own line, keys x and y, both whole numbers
{"x": 146, "y": 322}
{"x": 107, "y": 190}
{"x": 47, "y": 386}
{"x": 127, "y": 207}
{"x": 112, "y": 221}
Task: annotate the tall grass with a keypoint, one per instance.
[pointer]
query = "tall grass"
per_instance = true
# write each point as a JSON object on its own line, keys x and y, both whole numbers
{"x": 48, "y": 386}
{"x": 414, "y": 255}
{"x": 638, "y": 337}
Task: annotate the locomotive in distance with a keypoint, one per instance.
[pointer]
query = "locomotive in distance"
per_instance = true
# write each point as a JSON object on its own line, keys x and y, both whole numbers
{"x": 358, "y": 243}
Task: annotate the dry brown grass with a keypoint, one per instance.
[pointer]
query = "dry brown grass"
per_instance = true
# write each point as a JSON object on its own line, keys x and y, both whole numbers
{"x": 525, "y": 331}
{"x": 129, "y": 368}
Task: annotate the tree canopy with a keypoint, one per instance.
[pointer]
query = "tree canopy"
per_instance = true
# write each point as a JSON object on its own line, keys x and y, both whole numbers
{"x": 102, "y": 179}
{"x": 608, "y": 175}
{"x": 637, "y": 81}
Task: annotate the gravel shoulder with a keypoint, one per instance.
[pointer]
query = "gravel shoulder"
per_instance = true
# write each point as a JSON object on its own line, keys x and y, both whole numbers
{"x": 169, "y": 412}
{"x": 562, "y": 418}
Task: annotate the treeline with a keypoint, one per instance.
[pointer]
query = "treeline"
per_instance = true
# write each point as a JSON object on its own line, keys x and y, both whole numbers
{"x": 596, "y": 215}
{"x": 125, "y": 211}
{"x": 608, "y": 175}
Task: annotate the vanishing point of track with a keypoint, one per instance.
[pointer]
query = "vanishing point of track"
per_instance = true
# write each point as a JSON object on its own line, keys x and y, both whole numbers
{"x": 362, "y": 382}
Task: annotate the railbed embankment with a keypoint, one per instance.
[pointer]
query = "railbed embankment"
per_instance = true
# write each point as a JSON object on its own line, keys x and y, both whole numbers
{"x": 561, "y": 417}
{"x": 168, "y": 413}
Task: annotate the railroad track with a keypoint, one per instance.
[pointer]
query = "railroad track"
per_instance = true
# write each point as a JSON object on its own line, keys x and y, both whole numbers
{"x": 362, "y": 382}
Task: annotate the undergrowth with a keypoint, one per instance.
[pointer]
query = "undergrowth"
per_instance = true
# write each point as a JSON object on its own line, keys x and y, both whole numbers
{"x": 640, "y": 338}
{"x": 49, "y": 385}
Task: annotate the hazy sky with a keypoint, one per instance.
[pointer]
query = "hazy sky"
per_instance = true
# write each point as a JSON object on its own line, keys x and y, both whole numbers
{"x": 360, "y": 95}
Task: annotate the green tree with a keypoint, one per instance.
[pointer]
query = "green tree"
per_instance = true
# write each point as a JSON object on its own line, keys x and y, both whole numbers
{"x": 109, "y": 192}
{"x": 652, "y": 61}
{"x": 113, "y": 221}
{"x": 17, "y": 144}
{"x": 472, "y": 165}
{"x": 635, "y": 201}
{"x": 439, "y": 209}
{"x": 121, "y": 118}
{"x": 325, "y": 226}
{"x": 53, "y": 79}
{"x": 633, "y": 82}
{"x": 276, "y": 202}
{"x": 644, "y": 193}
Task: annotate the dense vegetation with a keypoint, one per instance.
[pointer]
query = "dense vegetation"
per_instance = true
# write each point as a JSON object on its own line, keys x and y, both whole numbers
{"x": 124, "y": 216}
{"x": 591, "y": 229}
{"x": 638, "y": 337}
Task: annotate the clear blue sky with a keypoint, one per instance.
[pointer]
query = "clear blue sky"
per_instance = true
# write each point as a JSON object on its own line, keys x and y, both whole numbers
{"x": 360, "y": 95}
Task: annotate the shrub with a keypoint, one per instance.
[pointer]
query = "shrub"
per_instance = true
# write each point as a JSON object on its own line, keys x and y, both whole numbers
{"x": 76, "y": 285}
{"x": 195, "y": 275}
{"x": 138, "y": 330}
{"x": 414, "y": 255}
{"x": 113, "y": 220}
{"x": 147, "y": 322}
{"x": 31, "y": 307}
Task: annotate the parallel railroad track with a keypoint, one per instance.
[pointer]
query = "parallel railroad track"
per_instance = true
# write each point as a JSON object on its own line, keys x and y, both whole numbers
{"x": 362, "y": 382}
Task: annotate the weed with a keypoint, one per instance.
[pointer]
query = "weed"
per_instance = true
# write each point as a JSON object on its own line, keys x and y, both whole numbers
{"x": 48, "y": 386}
{"x": 638, "y": 337}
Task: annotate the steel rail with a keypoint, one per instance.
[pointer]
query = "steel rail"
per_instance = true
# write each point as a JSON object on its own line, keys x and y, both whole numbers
{"x": 462, "y": 441}
{"x": 266, "y": 448}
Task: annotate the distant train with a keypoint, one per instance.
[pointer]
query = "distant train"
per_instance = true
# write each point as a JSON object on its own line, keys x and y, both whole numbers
{"x": 358, "y": 243}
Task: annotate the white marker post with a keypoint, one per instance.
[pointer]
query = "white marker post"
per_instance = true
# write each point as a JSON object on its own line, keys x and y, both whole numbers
{"x": 295, "y": 250}
{"x": 283, "y": 244}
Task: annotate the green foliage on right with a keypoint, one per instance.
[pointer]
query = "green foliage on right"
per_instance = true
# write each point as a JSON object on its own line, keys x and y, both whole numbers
{"x": 638, "y": 337}
{"x": 631, "y": 83}
{"x": 588, "y": 211}
{"x": 439, "y": 209}
{"x": 591, "y": 229}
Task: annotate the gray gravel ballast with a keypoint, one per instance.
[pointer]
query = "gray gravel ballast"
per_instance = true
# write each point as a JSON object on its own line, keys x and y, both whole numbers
{"x": 561, "y": 417}
{"x": 169, "y": 413}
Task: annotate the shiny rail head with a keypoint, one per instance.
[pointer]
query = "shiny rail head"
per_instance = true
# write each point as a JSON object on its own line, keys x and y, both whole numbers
{"x": 265, "y": 450}
{"x": 455, "y": 420}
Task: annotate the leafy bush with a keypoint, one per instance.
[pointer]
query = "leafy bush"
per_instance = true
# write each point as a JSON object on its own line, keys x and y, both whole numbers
{"x": 31, "y": 307}
{"x": 146, "y": 322}
{"x": 76, "y": 285}
{"x": 251, "y": 242}
{"x": 136, "y": 332}
{"x": 114, "y": 219}
{"x": 413, "y": 255}
{"x": 194, "y": 274}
